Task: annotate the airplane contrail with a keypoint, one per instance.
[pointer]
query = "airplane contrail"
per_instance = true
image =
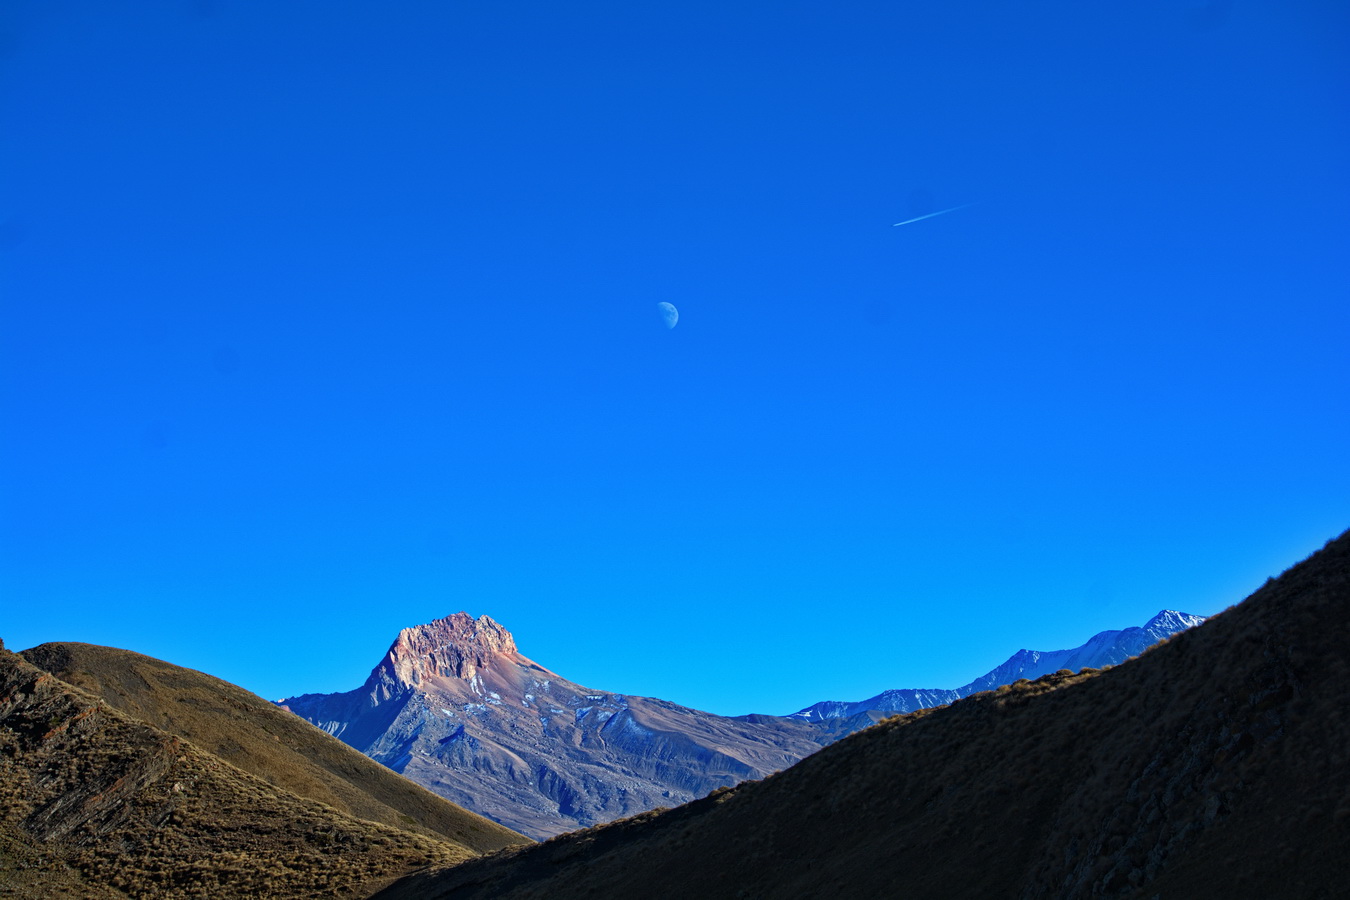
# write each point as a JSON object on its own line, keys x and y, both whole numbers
{"x": 938, "y": 213}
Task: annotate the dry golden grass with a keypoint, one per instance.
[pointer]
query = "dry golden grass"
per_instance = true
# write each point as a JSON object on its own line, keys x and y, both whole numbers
{"x": 1216, "y": 765}
{"x": 264, "y": 740}
{"x": 96, "y": 804}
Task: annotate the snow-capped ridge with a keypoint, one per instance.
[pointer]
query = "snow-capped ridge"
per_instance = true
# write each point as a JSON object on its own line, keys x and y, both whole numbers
{"x": 1170, "y": 621}
{"x": 1106, "y": 648}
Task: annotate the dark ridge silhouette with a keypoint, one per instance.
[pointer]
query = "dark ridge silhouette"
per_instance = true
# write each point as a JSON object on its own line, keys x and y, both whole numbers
{"x": 1215, "y": 765}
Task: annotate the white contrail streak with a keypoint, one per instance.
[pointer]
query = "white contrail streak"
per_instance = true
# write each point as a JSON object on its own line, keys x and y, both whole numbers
{"x": 938, "y": 213}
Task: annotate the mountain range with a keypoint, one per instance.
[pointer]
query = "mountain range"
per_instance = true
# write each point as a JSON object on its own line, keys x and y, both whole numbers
{"x": 1214, "y": 765}
{"x": 454, "y": 706}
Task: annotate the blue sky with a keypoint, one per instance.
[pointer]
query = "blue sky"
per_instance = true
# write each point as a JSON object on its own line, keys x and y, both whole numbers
{"x": 320, "y": 320}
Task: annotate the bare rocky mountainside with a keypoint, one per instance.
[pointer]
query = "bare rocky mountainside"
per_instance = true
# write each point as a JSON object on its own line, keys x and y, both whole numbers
{"x": 1215, "y": 765}
{"x": 159, "y": 781}
{"x": 456, "y": 707}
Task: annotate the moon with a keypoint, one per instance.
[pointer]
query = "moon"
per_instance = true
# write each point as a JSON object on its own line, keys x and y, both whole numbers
{"x": 669, "y": 314}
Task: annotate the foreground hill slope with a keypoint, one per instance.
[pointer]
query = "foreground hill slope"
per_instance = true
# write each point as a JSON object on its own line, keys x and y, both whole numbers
{"x": 97, "y": 804}
{"x": 253, "y": 734}
{"x": 456, "y": 707}
{"x": 1216, "y": 765}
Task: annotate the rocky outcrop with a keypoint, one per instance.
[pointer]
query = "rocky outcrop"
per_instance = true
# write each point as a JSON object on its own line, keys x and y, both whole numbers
{"x": 456, "y": 707}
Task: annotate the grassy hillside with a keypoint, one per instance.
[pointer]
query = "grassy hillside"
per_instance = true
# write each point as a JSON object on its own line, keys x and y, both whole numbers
{"x": 1216, "y": 765}
{"x": 253, "y": 734}
{"x": 96, "y": 804}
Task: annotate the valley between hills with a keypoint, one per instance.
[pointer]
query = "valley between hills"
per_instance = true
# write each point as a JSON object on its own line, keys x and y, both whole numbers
{"x": 1211, "y": 764}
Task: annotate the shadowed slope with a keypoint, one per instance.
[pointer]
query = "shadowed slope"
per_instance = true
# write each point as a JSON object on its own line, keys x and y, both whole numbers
{"x": 1216, "y": 765}
{"x": 94, "y": 803}
{"x": 253, "y": 734}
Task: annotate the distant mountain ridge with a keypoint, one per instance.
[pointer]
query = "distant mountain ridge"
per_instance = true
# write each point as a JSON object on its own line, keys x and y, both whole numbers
{"x": 1106, "y": 648}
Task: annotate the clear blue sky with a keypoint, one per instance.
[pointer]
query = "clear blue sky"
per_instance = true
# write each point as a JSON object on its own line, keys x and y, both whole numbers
{"x": 323, "y": 319}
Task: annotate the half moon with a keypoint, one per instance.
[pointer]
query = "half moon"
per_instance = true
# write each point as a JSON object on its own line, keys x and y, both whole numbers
{"x": 669, "y": 314}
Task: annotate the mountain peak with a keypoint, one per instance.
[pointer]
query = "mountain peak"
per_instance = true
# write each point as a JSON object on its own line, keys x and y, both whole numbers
{"x": 457, "y": 646}
{"x": 462, "y": 630}
{"x": 456, "y": 707}
{"x": 1169, "y": 621}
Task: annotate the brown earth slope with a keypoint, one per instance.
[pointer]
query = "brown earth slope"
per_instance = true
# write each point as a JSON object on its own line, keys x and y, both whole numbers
{"x": 1216, "y": 765}
{"x": 249, "y": 732}
{"x": 96, "y": 804}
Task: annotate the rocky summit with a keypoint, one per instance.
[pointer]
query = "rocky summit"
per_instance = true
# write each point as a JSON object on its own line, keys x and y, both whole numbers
{"x": 456, "y": 707}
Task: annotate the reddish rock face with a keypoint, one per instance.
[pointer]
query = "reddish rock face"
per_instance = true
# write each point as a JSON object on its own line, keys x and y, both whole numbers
{"x": 458, "y": 646}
